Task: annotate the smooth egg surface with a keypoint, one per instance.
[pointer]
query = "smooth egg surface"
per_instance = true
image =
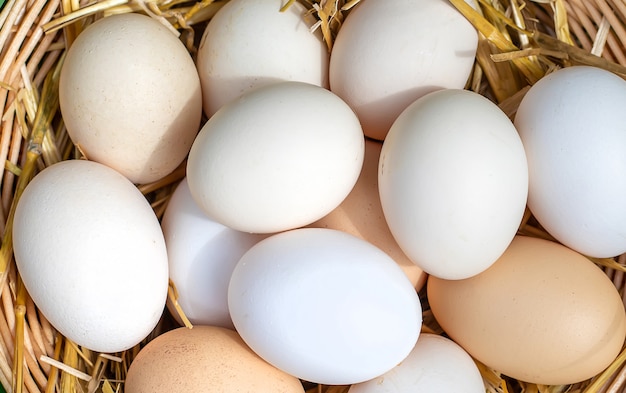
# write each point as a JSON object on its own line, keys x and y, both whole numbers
{"x": 248, "y": 44}
{"x": 453, "y": 182}
{"x": 202, "y": 254}
{"x": 542, "y": 313}
{"x": 436, "y": 364}
{"x": 204, "y": 359}
{"x": 389, "y": 53}
{"x": 267, "y": 162}
{"x": 572, "y": 125}
{"x": 361, "y": 215}
{"x": 91, "y": 253}
{"x": 130, "y": 96}
{"x": 324, "y": 306}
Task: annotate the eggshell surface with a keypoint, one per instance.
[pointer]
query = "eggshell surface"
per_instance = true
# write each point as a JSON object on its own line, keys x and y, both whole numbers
{"x": 572, "y": 125}
{"x": 436, "y": 364}
{"x": 202, "y": 255}
{"x": 324, "y": 306}
{"x": 453, "y": 181}
{"x": 361, "y": 215}
{"x": 261, "y": 165}
{"x": 556, "y": 311}
{"x": 251, "y": 44}
{"x": 92, "y": 256}
{"x": 130, "y": 96}
{"x": 205, "y": 358}
{"x": 389, "y": 53}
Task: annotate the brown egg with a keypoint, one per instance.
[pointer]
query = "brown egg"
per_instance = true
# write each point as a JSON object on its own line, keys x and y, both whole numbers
{"x": 361, "y": 215}
{"x": 204, "y": 359}
{"x": 542, "y": 314}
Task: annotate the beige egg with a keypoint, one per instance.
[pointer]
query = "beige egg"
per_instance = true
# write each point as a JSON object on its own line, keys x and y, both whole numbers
{"x": 130, "y": 96}
{"x": 204, "y": 359}
{"x": 542, "y": 314}
{"x": 361, "y": 215}
{"x": 249, "y": 44}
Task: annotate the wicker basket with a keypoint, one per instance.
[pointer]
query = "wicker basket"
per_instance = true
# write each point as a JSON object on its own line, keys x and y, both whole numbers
{"x": 525, "y": 41}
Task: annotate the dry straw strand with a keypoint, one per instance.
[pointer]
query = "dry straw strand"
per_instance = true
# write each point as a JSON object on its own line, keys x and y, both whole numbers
{"x": 66, "y": 368}
{"x": 18, "y": 358}
{"x": 172, "y": 294}
{"x": 531, "y": 70}
{"x": 53, "y": 376}
{"x": 606, "y": 375}
{"x": 601, "y": 37}
{"x": 561, "y": 22}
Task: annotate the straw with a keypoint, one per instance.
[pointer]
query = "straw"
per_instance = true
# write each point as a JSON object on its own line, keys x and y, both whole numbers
{"x": 519, "y": 43}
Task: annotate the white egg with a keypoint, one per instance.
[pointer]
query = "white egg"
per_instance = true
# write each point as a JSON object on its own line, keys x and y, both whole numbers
{"x": 453, "y": 181}
{"x": 436, "y": 364}
{"x": 202, "y": 255}
{"x": 248, "y": 44}
{"x": 92, "y": 256}
{"x": 572, "y": 125}
{"x": 278, "y": 158}
{"x": 324, "y": 306}
{"x": 389, "y": 53}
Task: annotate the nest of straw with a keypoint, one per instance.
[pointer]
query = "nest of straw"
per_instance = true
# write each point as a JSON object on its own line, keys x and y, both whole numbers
{"x": 519, "y": 43}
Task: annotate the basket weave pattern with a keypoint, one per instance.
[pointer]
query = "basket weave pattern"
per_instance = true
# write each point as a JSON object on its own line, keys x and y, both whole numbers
{"x": 520, "y": 43}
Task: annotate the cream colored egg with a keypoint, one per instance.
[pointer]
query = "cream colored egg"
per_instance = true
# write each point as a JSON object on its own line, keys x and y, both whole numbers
{"x": 389, "y": 53}
{"x": 542, "y": 314}
{"x": 261, "y": 165}
{"x": 204, "y": 359}
{"x": 251, "y": 43}
{"x": 92, "y": 256}
{"x": 130, "y": 96}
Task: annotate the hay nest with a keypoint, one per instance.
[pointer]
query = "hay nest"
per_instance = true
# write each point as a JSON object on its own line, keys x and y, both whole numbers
{"x": 520, "y": 42}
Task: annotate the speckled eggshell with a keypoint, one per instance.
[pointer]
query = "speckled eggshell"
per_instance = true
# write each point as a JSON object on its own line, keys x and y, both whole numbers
{"x": 361, "y": 215}
{"x": 542, "y": 313}
{"x": 91, "y": 253}
{"x": 248, "y": 44}
{"x": 204, "y": 359}
{"x": 130, "y": 96}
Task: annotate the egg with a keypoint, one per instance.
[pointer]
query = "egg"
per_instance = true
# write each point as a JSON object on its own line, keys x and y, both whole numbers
{"x": 205, "y": 358}
{"x": 389, "y": 53}
{"x": 436, "y": 364}
{"x": 453, "y": 182}
{"x": 202, "y": 255}
{"x": 130, "y": 96}
{"x": 262, "y": 165}
{"x": 91, "y": 254}
{"x": 324, "y": 306}
{"x": 542, "y": 313}
{"x": 572, "y": 125}
{"x": 250, "y": 44}
{"x": 361, "y": 215}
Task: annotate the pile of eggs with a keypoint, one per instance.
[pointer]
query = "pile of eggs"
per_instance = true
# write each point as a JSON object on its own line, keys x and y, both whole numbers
{"x": 320, "y": 194}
